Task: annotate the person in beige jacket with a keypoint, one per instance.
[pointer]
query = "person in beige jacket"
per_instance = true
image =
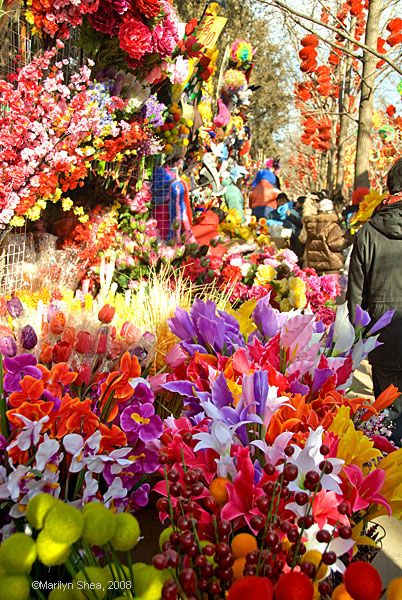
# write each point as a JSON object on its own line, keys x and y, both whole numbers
{"x": 324, "y": 240}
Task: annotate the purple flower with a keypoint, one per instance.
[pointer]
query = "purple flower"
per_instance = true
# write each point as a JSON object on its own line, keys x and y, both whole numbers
{"x": 8, "y": 347}
{"x": 139, "y": 498}
{"x": 268, "y": 319}
{"x": 382, "y": 322}
{"x": 362, "y": 317}
{"x": 153, "y": 111}
{"x": 141, "y": 421}
{"x": 28, "y": 337}
{"x": 181, "y": 325}
{"x": 17, "y": 368}
{"x": 15, "y": 307}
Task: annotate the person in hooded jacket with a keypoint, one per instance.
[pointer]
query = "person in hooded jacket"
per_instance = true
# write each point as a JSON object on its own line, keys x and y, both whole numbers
{"x": 375, "y": 284}
{"x": 324, "y": 240}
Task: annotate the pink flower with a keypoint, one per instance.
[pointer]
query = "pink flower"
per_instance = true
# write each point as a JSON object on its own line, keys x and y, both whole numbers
{"x": 243, "y": 492}
{"x": 362, "y": 491}
{"x": 135, "y": 38}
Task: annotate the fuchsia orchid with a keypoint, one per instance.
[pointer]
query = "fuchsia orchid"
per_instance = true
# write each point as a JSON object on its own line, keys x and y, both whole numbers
{"x": 362, "y": 490}
{"x": 243, "y": 492}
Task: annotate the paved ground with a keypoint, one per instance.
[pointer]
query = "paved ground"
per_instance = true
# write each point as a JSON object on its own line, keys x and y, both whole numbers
{"x": 389, "y": 559}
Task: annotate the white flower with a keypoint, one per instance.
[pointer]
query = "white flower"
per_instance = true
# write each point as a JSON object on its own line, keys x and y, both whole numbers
{"x": 30, "y": 434}
{"x": 80, "y": 449}
{"x": 116, "y": 491}
{"x": 337, "y": 545}
{"x": 309, "y": 459}
{"x": 46, "y": 450}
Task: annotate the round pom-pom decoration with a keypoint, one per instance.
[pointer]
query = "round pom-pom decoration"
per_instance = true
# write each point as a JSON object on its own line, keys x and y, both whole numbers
{"x": 51, "y": 553}
{"x": 362, "y": 581}
{"x": 64, "y": 524}
{"x": 294, "y": 586}
{"x": 252, "y": 588}
{"x": 127, "y": 532}
{"x": 18, "y": 554}
{"x": 99, "y": 525}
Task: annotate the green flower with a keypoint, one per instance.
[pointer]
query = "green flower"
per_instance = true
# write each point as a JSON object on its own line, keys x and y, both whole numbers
{"x": 127, "y": 532}
{"x": 64, "y": 524}
{"x": 18, "y": 554}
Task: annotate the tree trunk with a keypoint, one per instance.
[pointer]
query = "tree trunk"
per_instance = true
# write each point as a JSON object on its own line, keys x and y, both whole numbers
{"x": 332, "y": 154}
{"x": 344, "y": 98}
{"x": 362, "y": 178}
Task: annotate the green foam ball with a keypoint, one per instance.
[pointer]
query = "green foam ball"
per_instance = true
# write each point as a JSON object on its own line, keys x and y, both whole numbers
{"x": 99, "y": 526}
{"x": 18, "y": 554}
{"x": 38, "y": 507}
{"x": 14, "y": 587}
{"x": 148, "y": 581}
{"x": 127, "y": 532}
{"x": 51, "y": 553}
{"x": 164, "y": 536}
{"x": 64, "y": 524}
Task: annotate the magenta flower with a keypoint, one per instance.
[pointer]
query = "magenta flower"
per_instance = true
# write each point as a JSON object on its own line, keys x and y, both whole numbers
{"x": 141, "y": 421}
{"x": 17, "y": 368}
{"x": 243, "y": 492}
{"x": 362, "y": 491}
{"x": 29, "y": 338}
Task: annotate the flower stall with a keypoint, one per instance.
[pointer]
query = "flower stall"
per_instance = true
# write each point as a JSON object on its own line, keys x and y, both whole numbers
{"x": 160, "y": 358}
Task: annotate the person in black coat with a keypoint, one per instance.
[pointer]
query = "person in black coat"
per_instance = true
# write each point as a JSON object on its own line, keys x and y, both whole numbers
{"x": 375, "y": 283}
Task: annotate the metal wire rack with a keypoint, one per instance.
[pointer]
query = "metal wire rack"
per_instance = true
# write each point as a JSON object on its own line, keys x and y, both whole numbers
{"x": 13, "y": 248}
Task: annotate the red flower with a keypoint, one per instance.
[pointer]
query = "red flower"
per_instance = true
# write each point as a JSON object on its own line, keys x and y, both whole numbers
{"x": 149, "y": 8}
{"x": 391, "y": 110}
{"x": 61, "y": 352}
{"x": 190, "y": 27}
{"x": 135, "y": 38}
{"x": 106, "y": 314}
{"x": 83, "y": 343}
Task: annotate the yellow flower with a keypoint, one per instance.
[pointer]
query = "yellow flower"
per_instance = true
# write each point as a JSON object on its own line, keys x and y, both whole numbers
{"x": 83, "y": 219}
{"x": 243, "y": 316}
{"x": 354, "y": 447}
{"x": 392, "y": 488}
{"x": 367, "y": 207}
{"x": 17, "y": 221}
{"x": 66, "y": 204}
{"x": 296, "y": 284}
{"x": 285, "y": 305}
{"x": 265, "y": 274}
{"x": 298, "y": 299}
{"x": 263, "y": 240}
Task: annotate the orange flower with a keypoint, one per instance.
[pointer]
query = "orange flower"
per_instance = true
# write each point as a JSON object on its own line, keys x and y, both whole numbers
{"x": 75, "y": 417}
{"x": 112, "y": 437}
{"x": 58, "y": 323}
{"x": 118, "y": 382}
{"x": 46, "y": 354}
{"x": 385, "y": 399}
{"x": 31, "y": 411}
{"x": 58, "y": 377}
{"x": 31, "y": 390}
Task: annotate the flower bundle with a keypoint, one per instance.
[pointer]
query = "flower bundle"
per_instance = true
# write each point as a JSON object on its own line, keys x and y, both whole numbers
{"x": 55, "y": 18}
{"x": 87, "y": 546}
{"x": 77, "y": 443}
{"x": 91, "y": 336}
{"x": 269, "y": 474}
{"x": 254, "y": 275}
{"x": 146, "y": 30}
{"x": 367, "y": 207}
{"x": 53, "y": 132}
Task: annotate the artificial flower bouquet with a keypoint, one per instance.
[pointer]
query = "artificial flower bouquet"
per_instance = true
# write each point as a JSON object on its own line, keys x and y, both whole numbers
{"x": 269, "y": 473}
{"x": 254, "y": 275}
{"x": 56, "y": 131}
